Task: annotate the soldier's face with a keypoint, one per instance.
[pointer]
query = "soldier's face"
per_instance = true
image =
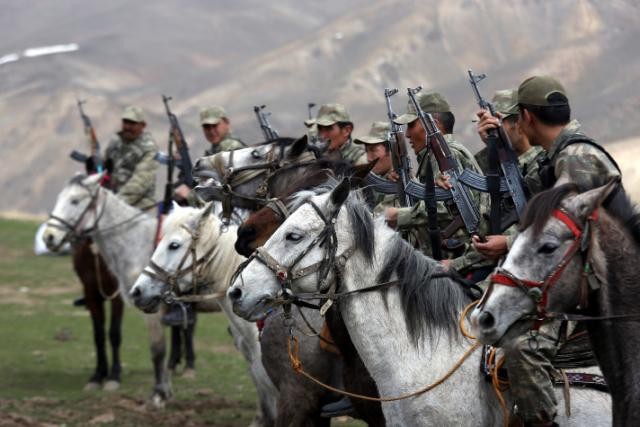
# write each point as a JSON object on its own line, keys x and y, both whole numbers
{"x": 417, "y": 136}
{"x": 216, "y": 133}
{"x": 334, "y": 135}
{"x": 380, "y": 152}
{"x": 131, "y": 130}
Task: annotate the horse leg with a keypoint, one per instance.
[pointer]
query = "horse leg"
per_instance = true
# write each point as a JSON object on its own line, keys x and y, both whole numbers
{"x": 96, "y": 308}
{"x": 175, "y": 354}
{"x": 162, "y": 387}
{"x": 115, "y": 338}
{"x": 190, "y": 354}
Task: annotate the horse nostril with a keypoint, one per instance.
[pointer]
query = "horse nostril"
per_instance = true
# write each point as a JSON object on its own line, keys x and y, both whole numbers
{"x": 50, "y": 238}
{"x": 135, "y": 293}
{"x": 486, "y": 320}
{"x": 196, "y": 165}
{"x": 235, "y": 294}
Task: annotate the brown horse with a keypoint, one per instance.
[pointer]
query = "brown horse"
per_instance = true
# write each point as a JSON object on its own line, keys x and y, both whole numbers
{"x": 100, "y": 286}
{"x": 253, "y": 233}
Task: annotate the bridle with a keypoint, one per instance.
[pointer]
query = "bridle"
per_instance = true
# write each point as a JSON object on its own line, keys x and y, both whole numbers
{"x": 233, "y": 177}
{"x": 73, "y": 231}
{"x": 197, "y": 268}
{"x": 287, "y": 274}
{"x": 538, "y": 291}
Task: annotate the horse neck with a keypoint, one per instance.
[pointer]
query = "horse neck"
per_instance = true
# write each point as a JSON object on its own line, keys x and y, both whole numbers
{"x": 378, "y": 329}
{"x": 126, "y": 248}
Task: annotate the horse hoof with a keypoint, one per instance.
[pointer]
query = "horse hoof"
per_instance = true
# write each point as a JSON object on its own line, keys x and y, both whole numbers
{"x": 111, "y": 385}
{"x": 189, "y": 374}
{"x": 91, "y": 386}
{"x": 157, "y": 401}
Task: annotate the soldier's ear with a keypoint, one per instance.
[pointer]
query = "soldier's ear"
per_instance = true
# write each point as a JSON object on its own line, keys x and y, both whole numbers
{"x": 298, "y": 147}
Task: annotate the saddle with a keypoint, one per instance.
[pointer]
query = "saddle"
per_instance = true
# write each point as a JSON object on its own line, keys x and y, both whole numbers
{"x": 574, "y": 353}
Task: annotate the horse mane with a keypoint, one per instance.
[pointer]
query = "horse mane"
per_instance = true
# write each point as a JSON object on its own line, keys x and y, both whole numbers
{"x": 541, "y": 206}
{"x": 431, "y": 302}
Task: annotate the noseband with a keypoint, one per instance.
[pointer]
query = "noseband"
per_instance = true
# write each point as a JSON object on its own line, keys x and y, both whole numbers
{"x": 287, "y": 274}
{"x": 538, "y": 291}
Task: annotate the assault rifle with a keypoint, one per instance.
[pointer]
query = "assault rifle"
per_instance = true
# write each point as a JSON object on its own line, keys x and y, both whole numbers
{"x": 94, "y": 145}
{"x": 310, "y": 107}
{"x": 449, "y": 166}
{"x": 263, "y": 120}
{"x": 177, "y": 137}
{"x": 501, "y": 156}
{"x": 398, "y": 149}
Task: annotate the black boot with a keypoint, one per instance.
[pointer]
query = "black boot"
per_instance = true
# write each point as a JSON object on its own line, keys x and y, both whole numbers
{"x": 338, "y": 408}
{"x": 175, "y": 316}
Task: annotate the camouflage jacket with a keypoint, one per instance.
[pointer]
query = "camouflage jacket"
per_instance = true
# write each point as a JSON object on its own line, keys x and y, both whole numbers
{"x": 134, "y": 169}
{"x": 416, "y": 216}
{"x": 229, "y": 143}
{"x": 580, "y": 163}
{"x": 482, "y": 157}
{"x": 353, "y": 153}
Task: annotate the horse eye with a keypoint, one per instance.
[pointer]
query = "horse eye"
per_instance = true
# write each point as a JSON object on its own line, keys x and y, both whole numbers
{"x": 256, "y": 155}
{"x": 174, "y": 245}
{"x": 547, "y": 248}
{"x": 294, "y": 237}
{"x": 75, "y": 201}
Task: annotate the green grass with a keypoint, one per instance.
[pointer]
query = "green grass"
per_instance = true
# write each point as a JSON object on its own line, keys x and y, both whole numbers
{"x": 42, "y": 376}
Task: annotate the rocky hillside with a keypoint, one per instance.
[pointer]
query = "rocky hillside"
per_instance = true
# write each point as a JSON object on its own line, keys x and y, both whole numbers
{"x": 285, "y": 54}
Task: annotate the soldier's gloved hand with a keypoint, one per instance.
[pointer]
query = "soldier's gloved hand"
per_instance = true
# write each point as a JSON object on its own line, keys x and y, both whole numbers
{"x": 182, "y": 191}
{"x": 486, "y": 122}
{"x": 494, "y": 248}
{"x": 442, "y": 181}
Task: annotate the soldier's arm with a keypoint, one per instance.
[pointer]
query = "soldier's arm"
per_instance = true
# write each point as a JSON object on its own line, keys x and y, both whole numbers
{"x": 142, "y": 179}
{"x": 584, "y": 165}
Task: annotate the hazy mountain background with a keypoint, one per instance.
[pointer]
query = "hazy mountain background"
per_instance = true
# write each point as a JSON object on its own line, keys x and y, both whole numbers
{"x": 286, "y": 53}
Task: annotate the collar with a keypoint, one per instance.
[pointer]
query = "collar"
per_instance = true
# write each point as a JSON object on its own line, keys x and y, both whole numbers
{"x": 571, "y": 128}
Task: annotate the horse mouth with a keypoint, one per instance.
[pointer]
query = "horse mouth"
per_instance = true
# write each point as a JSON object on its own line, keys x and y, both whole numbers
{"x": 258, "y": 311}
{"x": 148, "y": 306}
{"x": 516, "y": 329}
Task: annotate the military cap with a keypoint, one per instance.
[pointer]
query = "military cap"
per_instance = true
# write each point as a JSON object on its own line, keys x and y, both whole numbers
{"x": 212, "y": 115}
{"x": 431, "y": 102}
{"x": 544, "y": 91}
{"x": 329, "y": 114}
{"x": 506, "y": 102}
{"x": 134, "y": 114}
{"x": 378, "y": 134}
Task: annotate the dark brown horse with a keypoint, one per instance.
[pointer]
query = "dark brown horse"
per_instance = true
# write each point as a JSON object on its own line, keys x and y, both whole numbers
{"x": 100, "y": 286}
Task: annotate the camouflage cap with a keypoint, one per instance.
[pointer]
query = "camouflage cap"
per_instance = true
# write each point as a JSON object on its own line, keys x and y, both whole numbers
{"x": 328, "y": 114}
{"x": 378, "y": 134}
{"x": 542, "y": 91}
{"x": 134, "y": 114}
{"x": 212, "y": 115}
{"x": 506, "y": 102}
{"x": 430, "y": 102}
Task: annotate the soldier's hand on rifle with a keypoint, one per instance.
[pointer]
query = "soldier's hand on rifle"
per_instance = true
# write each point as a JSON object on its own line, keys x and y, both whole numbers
{"x": 446, "y": 263}
{"x": 442, "y": 181}
{"x": 391, "y": 216}
{"x": 486, "y": 122}
{"x": 393, "y": 176}
{"x": 182, "y": 191}
{"x": 494, "y": 248}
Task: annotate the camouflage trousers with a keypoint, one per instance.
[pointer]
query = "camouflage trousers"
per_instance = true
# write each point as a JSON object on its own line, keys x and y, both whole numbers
{"x": 529, "y": 367}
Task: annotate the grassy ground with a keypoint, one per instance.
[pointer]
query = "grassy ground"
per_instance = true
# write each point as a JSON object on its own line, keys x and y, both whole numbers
{"x": 47, "y": 355}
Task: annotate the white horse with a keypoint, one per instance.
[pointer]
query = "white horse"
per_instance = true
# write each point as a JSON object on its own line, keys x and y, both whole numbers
{"x": 124, "y": 236}
{"x": 194, "y": 251}
{"x": 407, "y": 335}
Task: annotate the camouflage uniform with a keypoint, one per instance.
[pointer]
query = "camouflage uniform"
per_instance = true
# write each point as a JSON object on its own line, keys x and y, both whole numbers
{"x": 530, "y": 370}
{"x": 212, "y": 116}
{"x": 415, "y": 217}
{"x": 134, "y": 166}
{"x": 330, "y": 114}
{"x": 229, "y": 143}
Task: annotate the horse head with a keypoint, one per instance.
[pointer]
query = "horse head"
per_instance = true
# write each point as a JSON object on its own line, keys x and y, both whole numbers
{"x": 296, "y": 251}
{"x": 180, "y": 261}
{"x": 75, "y": 211}
{"x": 542, "y": 272}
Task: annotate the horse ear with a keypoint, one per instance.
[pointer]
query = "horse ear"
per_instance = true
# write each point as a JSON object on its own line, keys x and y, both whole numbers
{"x": 340, "y": 193}
{"x": 93, "y": 180}
{"x": 174, "y": 206}
{"x": 584, "y": 204}
{"x": 361, "y": 172}
{"x": 298, "y": 147}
